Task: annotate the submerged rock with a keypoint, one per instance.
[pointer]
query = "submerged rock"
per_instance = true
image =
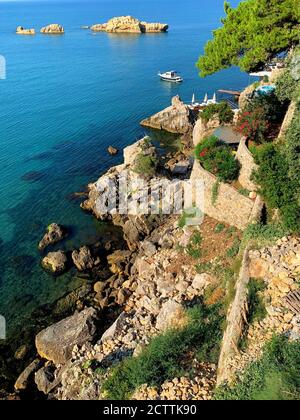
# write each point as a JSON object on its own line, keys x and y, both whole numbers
{"x": 55, "y": 262}
{"x": 128, "y": 24}
{"x": 56, "y": 342}
{"x": 22, "y": 31}
{"x": 53, "y": 29}
{"x": 178, "y": 118}
{"x": 82, "y": 259}
{"x": 55, "y": 233}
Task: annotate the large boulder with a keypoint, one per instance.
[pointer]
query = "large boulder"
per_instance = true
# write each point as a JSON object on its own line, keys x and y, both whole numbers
{"x": 172, "y": 315}
{"x": 129, "y": 24}
{"x": 178, "y": 118}
{"x": 55, "y": 233}
{"x": 82, "y": 259}
{"x": 54, "y": 28}
{"x": 56, "y": 262}
{"x": 56, "y": 342}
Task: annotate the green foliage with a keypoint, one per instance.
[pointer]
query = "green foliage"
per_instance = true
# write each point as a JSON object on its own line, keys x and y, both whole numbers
{"x": 217, "y": 158}
{"x": 276, "y": 187}
{"x": 244, "y": 192}
{"x": 215, "y": 193}
{"x": 221, "y": 110}
{"x": 234, "y": 250}
{"x": 251, "y": 35}
{"x": 145, "y": 165}
{"x": 219, "y": 228}
{"x": 163, "y": 359}
{"x": 253, "y": 125}
{"x": 256, "y": 304}
{"x": 276, "y": 376}
{"x": 285, "y": 86}
{"x": 194, "y": 248}
{"x": 293, "y": 149}
{"x": 264, "y": 233}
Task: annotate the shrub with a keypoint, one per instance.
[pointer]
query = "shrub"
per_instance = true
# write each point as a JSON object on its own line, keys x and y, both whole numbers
{"x": 253, "y": 125}
{"x": 217, "y": 158}
{"x": 276, "y": 376}
{"x": 276, "y": 187}
{"x": 293, "y": 148}
{"x": 219, "y": 228}
{"x": 215, "y": 193}
{"x": 285, "y": 86}
{"x": 145, "y": 165}
{"x": 163, "y": 359}
{"x": 257, "y": 307}
{"x": 221, "y": 111}
{"x": 234, "y": 250}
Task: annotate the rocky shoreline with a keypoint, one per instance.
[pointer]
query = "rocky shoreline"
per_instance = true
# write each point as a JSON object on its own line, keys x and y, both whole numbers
{"x": 144, "y": 289}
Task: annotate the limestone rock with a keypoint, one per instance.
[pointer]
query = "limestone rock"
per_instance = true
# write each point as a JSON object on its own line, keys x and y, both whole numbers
{"x": 56, "y": 342}
{"x": 202, "y": 281}
{"x": 45, "y": 379}
{"x": 54, "y": 28}
{"x": 55, "y": 233}
{"x": 82, "y": 259}
{"x": 114, "y": 330}
{"x": 171, "y": 315}
{"x": 112, "y": 150}
{"x": 55, "y": 262}
{"x": 23, "y": 380}
{"x": 129, "y": 24}
{"x": 177, "y": 118}
{"x": 22, "y": 31}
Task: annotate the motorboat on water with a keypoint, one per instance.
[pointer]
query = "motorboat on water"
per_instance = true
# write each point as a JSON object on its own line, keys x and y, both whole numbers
{"x": 170, "y": 76}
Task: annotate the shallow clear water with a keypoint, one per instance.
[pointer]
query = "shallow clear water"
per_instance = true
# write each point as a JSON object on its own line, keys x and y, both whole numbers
{"x": 66, "y": 98}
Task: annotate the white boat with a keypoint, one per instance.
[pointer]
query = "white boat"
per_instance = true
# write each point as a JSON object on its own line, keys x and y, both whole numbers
{"x": 170, "y": 76}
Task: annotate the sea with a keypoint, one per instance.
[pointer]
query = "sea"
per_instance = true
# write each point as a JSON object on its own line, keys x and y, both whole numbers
{"x": 65, "y": 99}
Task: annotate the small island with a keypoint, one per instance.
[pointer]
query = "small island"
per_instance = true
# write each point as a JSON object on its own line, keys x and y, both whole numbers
{"x": 53, "y": 29}
{"x": 22, "y": 31}
{"x": 129, "y": 24}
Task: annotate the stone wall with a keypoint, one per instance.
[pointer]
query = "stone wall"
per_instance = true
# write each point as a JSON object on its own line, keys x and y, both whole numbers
{"x": 247, "y": 166}
{"x": 231, "y": 207}
{"x": 236, "y": 320}
{"x": 287, "y": 120}
{"x": 203, "y": 129}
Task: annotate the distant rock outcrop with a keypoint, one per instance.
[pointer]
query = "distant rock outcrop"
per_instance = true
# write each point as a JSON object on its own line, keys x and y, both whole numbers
{"x": 22, "y": 31}
{"x": 53, "y": 29}
{"x": 178, "y": 118}
{"x": 128, "y": 24}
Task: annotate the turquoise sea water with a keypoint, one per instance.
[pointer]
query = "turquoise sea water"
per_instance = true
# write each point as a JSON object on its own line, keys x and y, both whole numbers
{"x": 65, "y": 99}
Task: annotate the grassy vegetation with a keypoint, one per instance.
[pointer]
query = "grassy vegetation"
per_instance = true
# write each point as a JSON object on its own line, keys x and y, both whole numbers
{"x": 234, "y": 250}
{"x": 215, "y": 193}
{"x": 259, "y": 235}
{"x": 145, "y": 165}
{"x": 220, "y": 228}
{"x": 244, "y": 192}
{"x": 257, "y": 307}
{"x": 163, "y": 359}
{"x": 276, "y": 376}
